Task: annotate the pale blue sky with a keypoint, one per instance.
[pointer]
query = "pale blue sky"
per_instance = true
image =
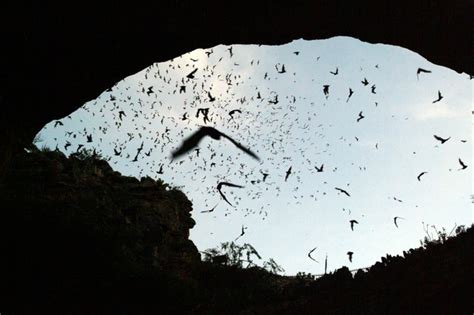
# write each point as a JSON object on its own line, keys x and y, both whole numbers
{"x": 285, "y": 220}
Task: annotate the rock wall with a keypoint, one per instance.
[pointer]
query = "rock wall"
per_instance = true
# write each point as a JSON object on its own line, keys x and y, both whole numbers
{"x": 74, "y": 222}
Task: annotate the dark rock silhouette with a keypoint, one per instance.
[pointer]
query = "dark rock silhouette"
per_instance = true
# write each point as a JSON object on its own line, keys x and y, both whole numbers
{"x": 77, "y": 237}
{"x": 75, "y": 224}
{"x": 52, "y": 55}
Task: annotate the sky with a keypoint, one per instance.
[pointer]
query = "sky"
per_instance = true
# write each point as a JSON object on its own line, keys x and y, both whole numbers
{"x": 376, "y": 159}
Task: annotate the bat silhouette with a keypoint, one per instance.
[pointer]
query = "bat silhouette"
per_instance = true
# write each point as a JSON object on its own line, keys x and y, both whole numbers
{"x": 463, "y": 166}
{"x": 160, "y": 171}
{"x": 210, "y": 210}
{"x": 319, "y": 169}
{"x": 420, "y": 70}
{"x": 121, "y": 114}
{"x": 309, "y": 254}
{"x": 326, "y": 90}
{"x": 191, "y": 142}
{"x": 350, "y": 255}
{"x": 350, "y": 94}
{"x": 274, "y": 101}
{"x": 219, "y": 186}
{"x": 288, "y": 172}
{"x": 242, "y": 233}
{"x": 352, "y": 224}
{"x": 396, "y": 199}
{"x": 232, "y": 112}
{"x": 191, "y": 74}
{"x": 440, "y": 97}
{"x": 343, "y": 191}
{"x": 204, "y": 112}
{"x": 441, "y": 139}
{"x": 283, "y": 70}
{"x": 421, "y": 174}
{"x": 395, "y": 220}
{"x": 211, "y": 98}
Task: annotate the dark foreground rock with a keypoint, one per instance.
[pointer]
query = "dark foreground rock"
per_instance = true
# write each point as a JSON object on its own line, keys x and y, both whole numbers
{"x": 79, "y": 238}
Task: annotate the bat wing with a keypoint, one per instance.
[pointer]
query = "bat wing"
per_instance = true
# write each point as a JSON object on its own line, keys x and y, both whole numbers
{"x": 192, "y": 73}
{"x": 343, "y": 191}
{"x": 241, "y": 147}
{"x": 225, "y": 199}
{"x": 229, "y": 184}
{"x": 219, "y": 186}
{"x": 423, "y": 70}
{"x": 309, "y": 254}
{"x": 189, "y": 143}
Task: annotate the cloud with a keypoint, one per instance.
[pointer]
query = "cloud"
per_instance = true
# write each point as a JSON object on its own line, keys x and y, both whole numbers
{"x": 441, "y": 111}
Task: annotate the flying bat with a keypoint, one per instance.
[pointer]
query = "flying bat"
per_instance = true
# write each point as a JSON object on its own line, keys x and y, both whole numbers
{"x": 232, "y": 112}
{"x": 463, "y": 166}
{"x": 440, "y": 97}
{"x": 343, "y": 191}
{"x": 242, "y": 233}
{"x": 395, "y": 220}
{"x": 420, "y": 70}
{"x": 441, "y": 139}
{"x": 309, "y": 254}
{"x": 288, "y": 172}
{"x": 350, "y": 255}
{"x": 121, "y": 114}
{"x": 421, "y": 174}
{"x": 352, "y": 224}
{"x": 319, "y": 169}
{"x": 211, "y": 98}
{"x": 210, "y": 210}
{"x": 219, "y": 186}
{"x": 350, "y": 94}
{"x": 191, "y": 74}
{"x": 191, "y": 142}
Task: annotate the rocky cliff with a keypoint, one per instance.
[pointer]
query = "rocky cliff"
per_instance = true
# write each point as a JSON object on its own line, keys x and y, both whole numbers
{"x": 77, "y": 237}
{"x": 75, "y": 223}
